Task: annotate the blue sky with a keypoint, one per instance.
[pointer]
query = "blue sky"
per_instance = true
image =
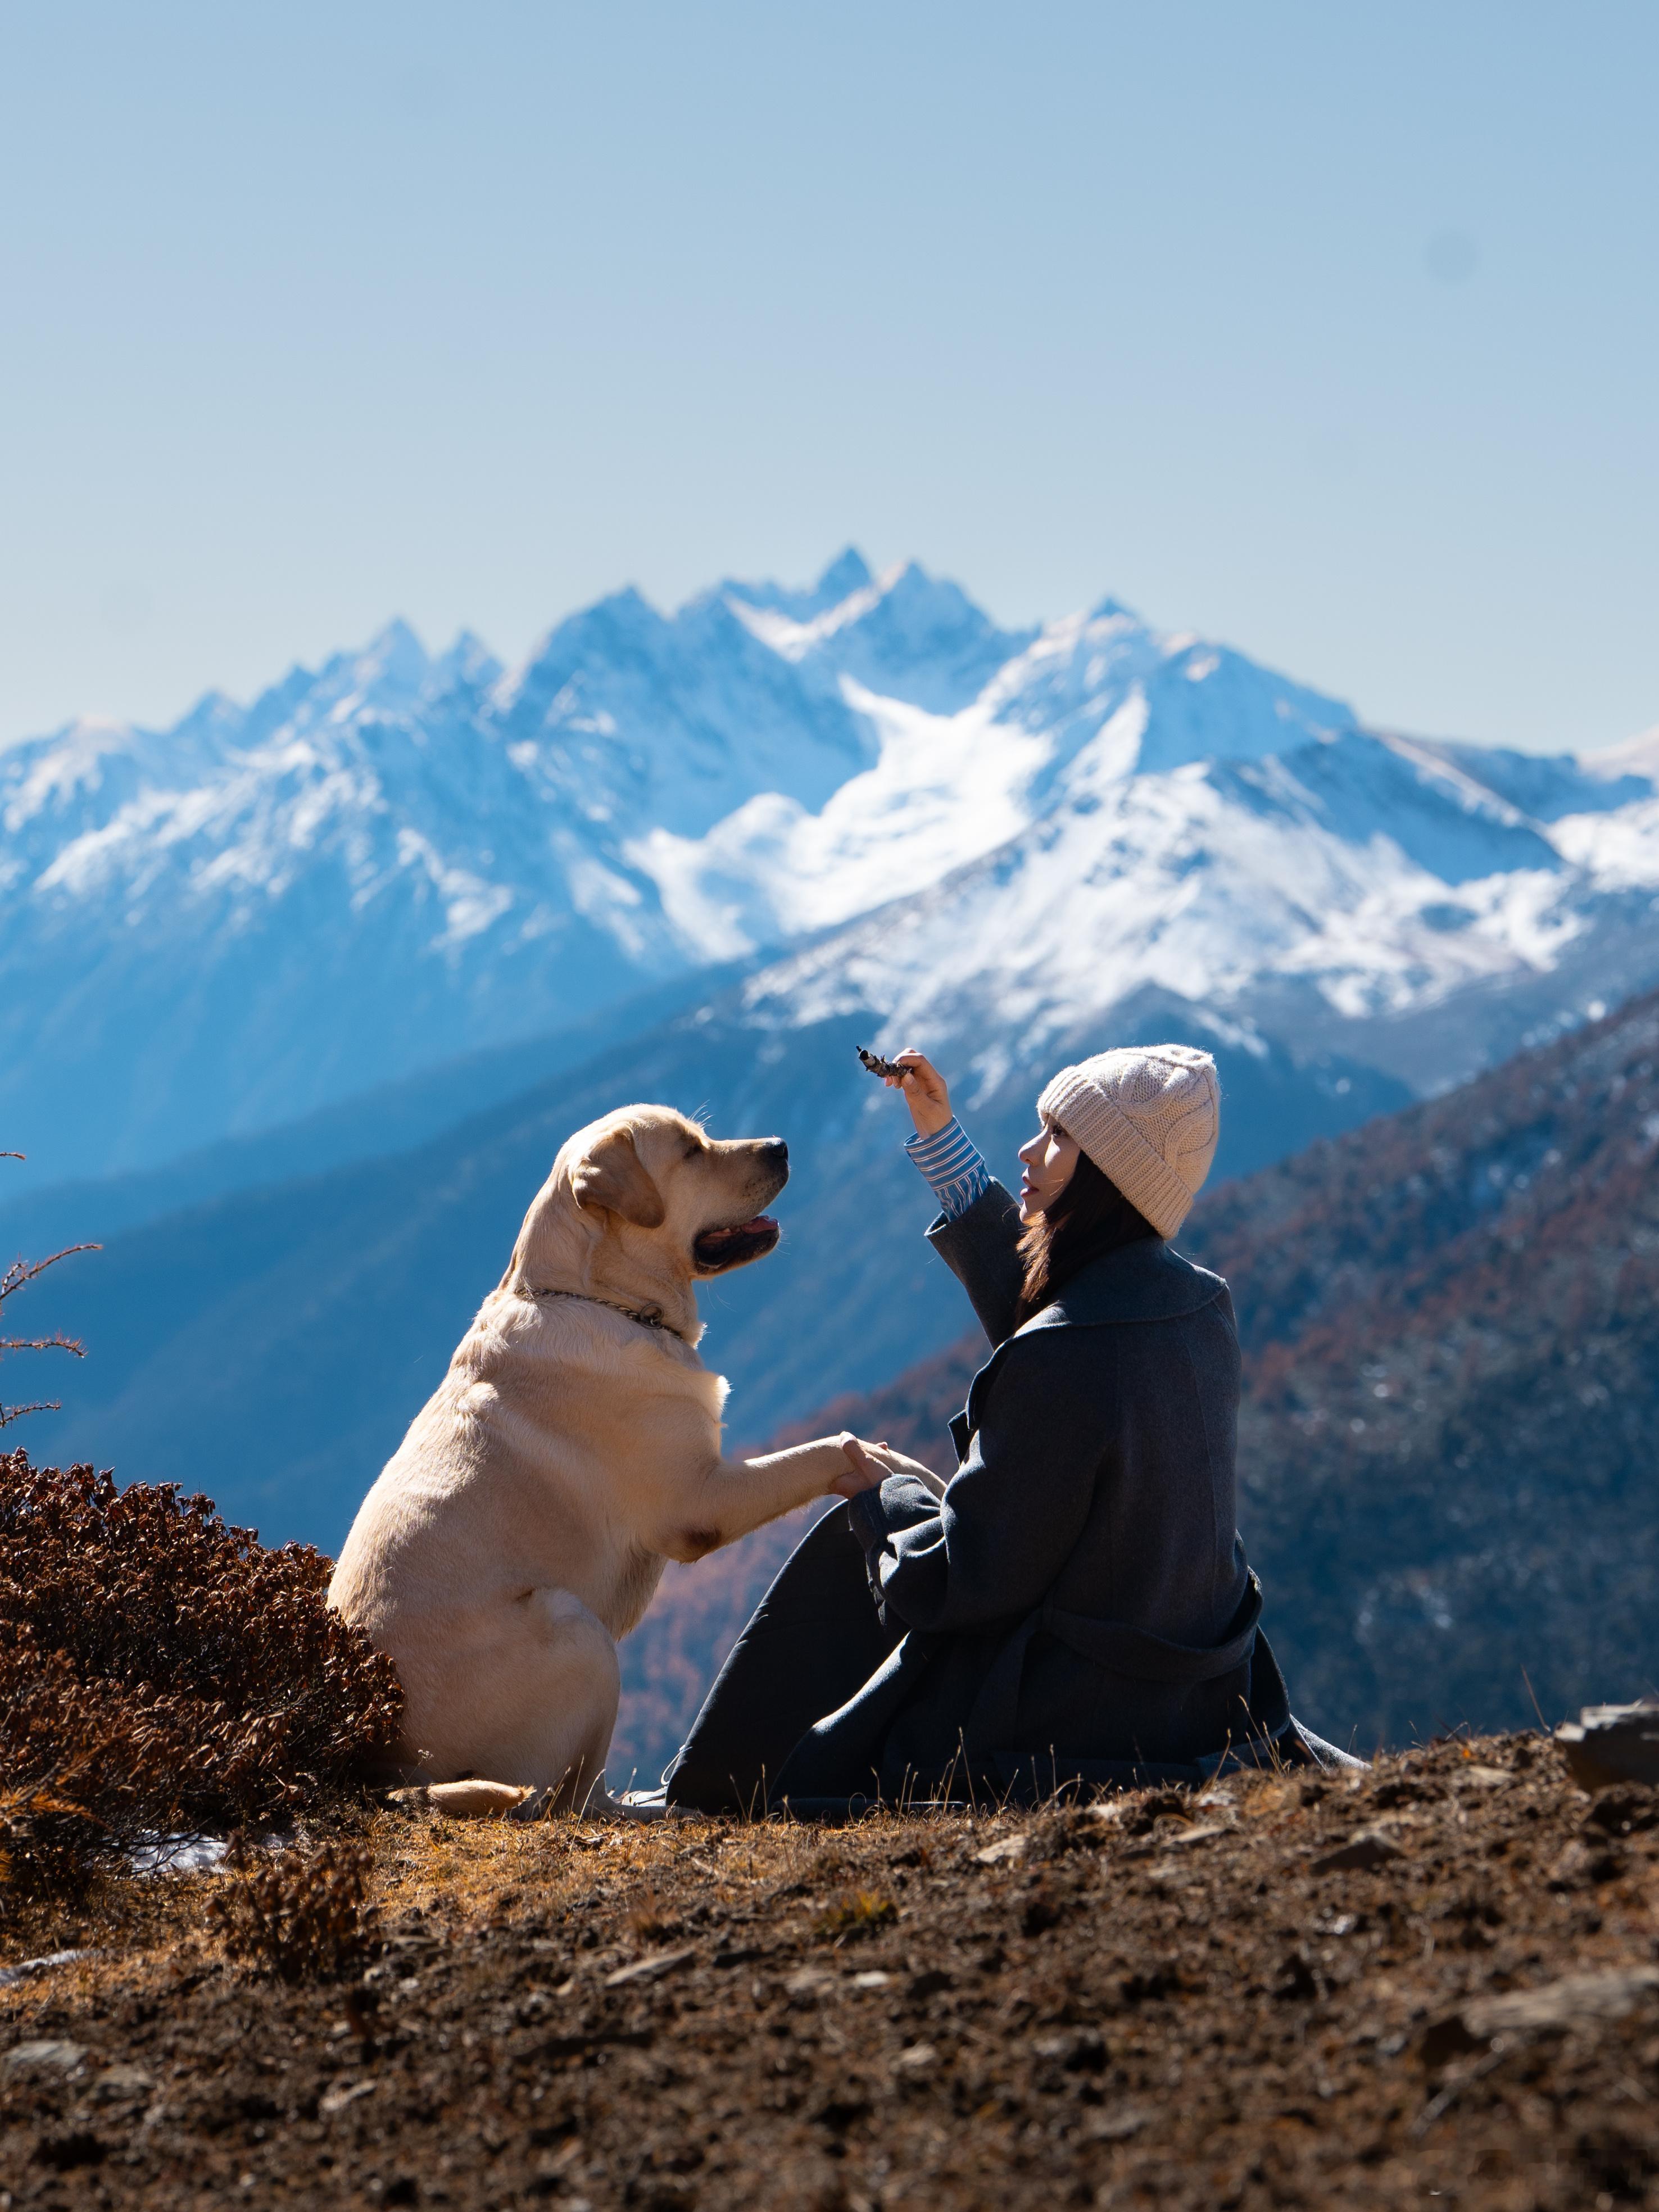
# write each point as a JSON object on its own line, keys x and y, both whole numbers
{"x": 1329, "y": 332}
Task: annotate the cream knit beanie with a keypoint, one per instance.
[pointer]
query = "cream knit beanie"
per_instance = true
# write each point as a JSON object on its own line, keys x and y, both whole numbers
{"x": 1148, "y": 1115}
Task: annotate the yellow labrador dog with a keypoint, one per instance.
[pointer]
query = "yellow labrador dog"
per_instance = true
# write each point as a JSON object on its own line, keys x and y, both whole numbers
{"x": 572, "y": 1448}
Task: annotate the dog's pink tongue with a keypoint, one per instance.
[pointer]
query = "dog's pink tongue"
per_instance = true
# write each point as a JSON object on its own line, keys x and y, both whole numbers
{"x": 740, "y": 1228}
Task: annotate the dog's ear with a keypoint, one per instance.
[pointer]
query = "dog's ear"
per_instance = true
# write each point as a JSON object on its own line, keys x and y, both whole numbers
{"x": 613, "y": 1176}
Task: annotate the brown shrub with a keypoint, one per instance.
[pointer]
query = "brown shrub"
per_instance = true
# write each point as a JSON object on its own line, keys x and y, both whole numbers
{"x": 301, "y": 1915}
{"x": 159, "y": 1670}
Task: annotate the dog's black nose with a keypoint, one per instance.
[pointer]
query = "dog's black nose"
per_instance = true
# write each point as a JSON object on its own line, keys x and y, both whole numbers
{"x": 775, "y": 1150}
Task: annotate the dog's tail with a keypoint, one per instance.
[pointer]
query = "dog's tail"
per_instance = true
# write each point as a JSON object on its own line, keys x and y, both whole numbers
{"x": 467, "y": 1801}
{"x": 512, "y": 1800}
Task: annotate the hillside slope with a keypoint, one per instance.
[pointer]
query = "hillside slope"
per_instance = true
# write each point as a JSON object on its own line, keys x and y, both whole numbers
{"x": 1430, "y": 1982}
{"x": 1450, "y": 1444}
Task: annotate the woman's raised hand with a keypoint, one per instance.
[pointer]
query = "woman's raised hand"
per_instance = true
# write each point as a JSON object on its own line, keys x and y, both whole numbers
{"x": 861, "y": 1473}
{"x": 924, "y": 1091}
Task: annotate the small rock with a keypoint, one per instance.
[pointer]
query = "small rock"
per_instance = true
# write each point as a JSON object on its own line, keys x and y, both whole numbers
{"x": 920, "y": 2059}
{"x": 336, "y": 2099}
{"x": 1367, "y": 1848}
{"x": 1081, "y": 2051}
{"x": 47, "y": 2060}
{"x": 875, "y": 1979}
{"x": 650, "y": 1970}
{"x": 1576, "y": 2001}
{"x": 1201, "y": 1832}
{"x": 807, "y": 1986}
{"x": 1118, "y": 2127}
{"x": 116, "y": 2084}
{"x": 1475, "y": 1777}
{"x": 1613, "y": 1743}
{"x": 1003, "y": 1850}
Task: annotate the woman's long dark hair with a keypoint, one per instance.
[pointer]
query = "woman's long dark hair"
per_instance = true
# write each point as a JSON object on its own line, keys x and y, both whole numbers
{"x": 1090, "y": 1218}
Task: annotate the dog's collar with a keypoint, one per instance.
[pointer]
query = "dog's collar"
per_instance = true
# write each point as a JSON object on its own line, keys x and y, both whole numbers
{"x": 647, "y": 1317}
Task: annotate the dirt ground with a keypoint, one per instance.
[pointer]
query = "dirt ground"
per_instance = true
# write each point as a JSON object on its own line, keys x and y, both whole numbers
{"x": 1271, "y": 1995}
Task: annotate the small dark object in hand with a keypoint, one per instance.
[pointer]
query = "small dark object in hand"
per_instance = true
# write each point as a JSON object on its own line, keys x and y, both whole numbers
{"x": 878, "y": 1066}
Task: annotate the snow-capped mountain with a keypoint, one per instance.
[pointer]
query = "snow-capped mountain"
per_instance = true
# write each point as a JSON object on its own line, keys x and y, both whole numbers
{"x": 400, "y": 858}
{"x": 1357, "y": 894}
{"x": 397, "y": 858}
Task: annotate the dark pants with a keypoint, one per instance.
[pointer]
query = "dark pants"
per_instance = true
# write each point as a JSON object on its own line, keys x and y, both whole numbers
{"x": 813, "y": 1641}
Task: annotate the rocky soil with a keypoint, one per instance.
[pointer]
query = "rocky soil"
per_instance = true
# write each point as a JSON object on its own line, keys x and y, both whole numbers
{"x": 1438, "y": 1980}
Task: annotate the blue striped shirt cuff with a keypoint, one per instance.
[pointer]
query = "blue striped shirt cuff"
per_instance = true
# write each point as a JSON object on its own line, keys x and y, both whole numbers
{"x": 955, "y": 1166}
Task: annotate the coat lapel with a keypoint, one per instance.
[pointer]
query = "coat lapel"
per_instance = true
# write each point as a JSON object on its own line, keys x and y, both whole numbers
{"x": 1144, "y": 1281}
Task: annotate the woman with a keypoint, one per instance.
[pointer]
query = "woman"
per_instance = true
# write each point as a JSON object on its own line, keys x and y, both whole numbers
{"x": 1076, "y": 1608}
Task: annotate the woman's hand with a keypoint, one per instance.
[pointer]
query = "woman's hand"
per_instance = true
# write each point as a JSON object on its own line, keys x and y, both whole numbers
{"x": 924, "y": 1091}
{"x": 862, "y": 1473}
{"x": 869, "y": 1465}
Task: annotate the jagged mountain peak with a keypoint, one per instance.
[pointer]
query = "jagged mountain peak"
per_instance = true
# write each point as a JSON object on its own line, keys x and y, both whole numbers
{"x": 904, "y": 634}
{"x": 394, "y": 656}
{"x": 623, "y": 623}
{"x": 391, "y": 671}
{"x": 1113, "y": 610}
{"x": 847, "y": 573}
{"x": 468, "y": 664}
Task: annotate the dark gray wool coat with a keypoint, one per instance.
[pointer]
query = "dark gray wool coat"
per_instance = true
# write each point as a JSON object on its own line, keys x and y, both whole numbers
{"x": 1079, "y": 1606}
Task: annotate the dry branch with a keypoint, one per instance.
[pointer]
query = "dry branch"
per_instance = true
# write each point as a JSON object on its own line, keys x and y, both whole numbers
{"x": 14, "y": 1278}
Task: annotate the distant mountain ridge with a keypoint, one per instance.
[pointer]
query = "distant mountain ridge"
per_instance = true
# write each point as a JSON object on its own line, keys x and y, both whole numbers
{"x": 400, "y": 858}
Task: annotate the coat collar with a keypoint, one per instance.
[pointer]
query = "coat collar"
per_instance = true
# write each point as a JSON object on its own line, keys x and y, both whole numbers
{"x": 1144, "y": 1281}
{"x": 1138, "y": 1282}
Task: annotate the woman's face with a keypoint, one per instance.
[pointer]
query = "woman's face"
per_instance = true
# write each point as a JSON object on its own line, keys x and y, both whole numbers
{"x": 1047, "y": 1161}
